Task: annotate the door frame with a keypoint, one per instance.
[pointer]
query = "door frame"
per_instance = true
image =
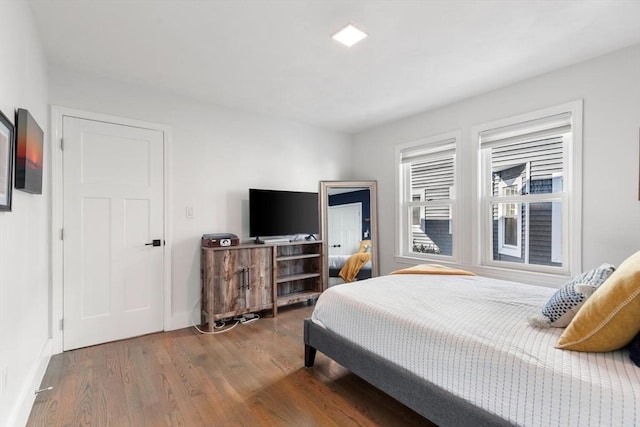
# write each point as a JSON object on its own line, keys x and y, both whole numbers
{"x": 57, "y": 213}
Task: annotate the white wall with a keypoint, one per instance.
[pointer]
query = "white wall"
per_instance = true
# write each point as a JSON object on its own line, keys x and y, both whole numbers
{"x": 217, "y": 155}
{"x": 610, "y": 87}
{"x": 24, "y": 232}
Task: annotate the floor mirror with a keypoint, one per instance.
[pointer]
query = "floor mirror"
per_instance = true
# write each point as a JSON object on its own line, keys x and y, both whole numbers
{"x": 349, "y": 230}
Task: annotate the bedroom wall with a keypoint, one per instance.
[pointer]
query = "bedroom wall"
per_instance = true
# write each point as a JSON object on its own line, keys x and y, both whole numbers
{"x": 217, "y": 155}
{"x": 610, "y": 87}
{"x": 24, "y": 232}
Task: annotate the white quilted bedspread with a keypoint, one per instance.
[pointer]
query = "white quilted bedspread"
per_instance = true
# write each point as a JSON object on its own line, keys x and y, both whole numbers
{"x": 470, "y": 336}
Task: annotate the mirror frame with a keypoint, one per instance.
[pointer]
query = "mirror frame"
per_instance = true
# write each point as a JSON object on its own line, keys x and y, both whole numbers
{"x": 325, "y": 187}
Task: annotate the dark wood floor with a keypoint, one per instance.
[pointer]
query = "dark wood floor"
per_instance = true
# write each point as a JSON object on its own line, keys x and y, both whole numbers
{"x": 253, "y": 375}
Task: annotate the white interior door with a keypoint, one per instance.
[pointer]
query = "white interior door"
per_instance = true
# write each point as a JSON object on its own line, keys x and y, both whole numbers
{"x": 113, "y": 210}
{"x": 345, "y": 228}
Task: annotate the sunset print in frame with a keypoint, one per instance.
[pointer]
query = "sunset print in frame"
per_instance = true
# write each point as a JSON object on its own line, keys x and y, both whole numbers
{"x": 29, "y": 153}
{"x": 6, "y": 162}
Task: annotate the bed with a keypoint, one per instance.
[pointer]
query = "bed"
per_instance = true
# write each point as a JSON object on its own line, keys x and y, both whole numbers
{"x": 336, "y": 262}
{"x": 459, "y": 351}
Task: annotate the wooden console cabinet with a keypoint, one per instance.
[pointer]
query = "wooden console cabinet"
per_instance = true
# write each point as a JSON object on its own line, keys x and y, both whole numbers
{"x": 255, "y": 277}
{"x": 235, "y": 280}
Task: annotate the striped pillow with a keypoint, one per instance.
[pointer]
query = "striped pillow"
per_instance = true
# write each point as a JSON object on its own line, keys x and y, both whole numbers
{"x": 565, "y": 303}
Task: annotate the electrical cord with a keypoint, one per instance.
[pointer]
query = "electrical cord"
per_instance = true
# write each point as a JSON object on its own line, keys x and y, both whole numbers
{"x": 221, "y": 324}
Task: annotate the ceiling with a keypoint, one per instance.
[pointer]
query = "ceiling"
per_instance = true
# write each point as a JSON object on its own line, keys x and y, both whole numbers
{"x": 277, "y": 57}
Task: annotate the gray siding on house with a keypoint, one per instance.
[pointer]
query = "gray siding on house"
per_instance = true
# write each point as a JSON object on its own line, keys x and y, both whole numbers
{"x": 439, "y": 231}
{"x": 433, "y": 179}
{"x": 539, "y": 237}
{"x": 544, "y": 156}
{"x": 535, "y": 162}
{"x": 540, "y": 234}
{"x": 544, "y": 160}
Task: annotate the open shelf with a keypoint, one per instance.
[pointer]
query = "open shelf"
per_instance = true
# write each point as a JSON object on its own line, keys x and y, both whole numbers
{"x": 266, "y": 277}
{"x": 296, "y": 297}
{"x": 294, "y": 277}
{"x": 292, "y": 257}
{"x": 298, "y": 272}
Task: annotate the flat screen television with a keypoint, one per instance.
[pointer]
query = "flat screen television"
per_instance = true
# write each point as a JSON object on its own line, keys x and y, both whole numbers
{"x": 282, "y": 213}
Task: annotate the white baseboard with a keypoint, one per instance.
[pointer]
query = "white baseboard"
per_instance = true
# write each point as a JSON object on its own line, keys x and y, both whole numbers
{"x": 19, "y": 415}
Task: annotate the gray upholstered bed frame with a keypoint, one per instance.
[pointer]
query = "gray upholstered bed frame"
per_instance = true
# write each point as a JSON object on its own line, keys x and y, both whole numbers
{"x": 429, "y": 400}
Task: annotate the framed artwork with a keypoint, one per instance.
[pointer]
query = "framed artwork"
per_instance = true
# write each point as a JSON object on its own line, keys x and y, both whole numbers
{"x": 29, "y": 153}
{"x": 7, "y": 136}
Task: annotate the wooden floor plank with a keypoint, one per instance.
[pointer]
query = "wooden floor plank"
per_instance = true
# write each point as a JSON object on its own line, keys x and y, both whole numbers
{"x": 252, "y": 375}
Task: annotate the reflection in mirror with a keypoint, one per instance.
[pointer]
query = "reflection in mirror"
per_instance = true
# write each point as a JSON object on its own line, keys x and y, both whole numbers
{"x": 349, "y": 230}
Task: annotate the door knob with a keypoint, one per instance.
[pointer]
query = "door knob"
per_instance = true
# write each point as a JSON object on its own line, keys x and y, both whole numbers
{"x": 156, "y": 242}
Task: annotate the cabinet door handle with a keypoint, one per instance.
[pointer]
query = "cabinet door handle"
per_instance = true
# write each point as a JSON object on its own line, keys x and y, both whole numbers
{"x": 248, "y": 276}
{"x": 241, "y": 274}
{"x": 244, "y": 278}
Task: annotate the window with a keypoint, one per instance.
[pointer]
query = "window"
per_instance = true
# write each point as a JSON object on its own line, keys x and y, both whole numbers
{"x": 509, "y": 214}
{"x": 525, "y": 197}
{"x": 505, "y": 203}
{"x": 427, "y": 171}
{"x": 418, "y": 214}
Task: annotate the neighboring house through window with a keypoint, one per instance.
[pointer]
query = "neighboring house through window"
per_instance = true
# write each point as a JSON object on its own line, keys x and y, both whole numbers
{"x": 526, "y": 212}
{"x": 427, "y": 169}
{"x": 529, "y": 189}
{"x": 509, "y": 239}
{"x": 418, "y": 214}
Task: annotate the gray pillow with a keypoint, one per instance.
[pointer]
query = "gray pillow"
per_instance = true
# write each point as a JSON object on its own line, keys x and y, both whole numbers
{"x": 566, "y": 302}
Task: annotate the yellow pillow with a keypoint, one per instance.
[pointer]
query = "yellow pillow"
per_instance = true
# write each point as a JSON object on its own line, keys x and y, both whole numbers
{"x": 611, "y": 316}
{"x": 365, "y": 246}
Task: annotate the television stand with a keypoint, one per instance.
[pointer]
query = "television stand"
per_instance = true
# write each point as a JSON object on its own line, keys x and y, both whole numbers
{"x": 249, "y": 278}
{"x": 275, "y": 241}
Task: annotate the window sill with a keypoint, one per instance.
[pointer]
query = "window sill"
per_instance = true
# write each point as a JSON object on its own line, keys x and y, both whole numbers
{"x": 431, "y": 258}
{"x": 548, "y": 280}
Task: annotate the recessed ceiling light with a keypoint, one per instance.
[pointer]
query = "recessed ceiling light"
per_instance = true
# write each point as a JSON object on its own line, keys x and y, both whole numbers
{"x": 349, "y": 35}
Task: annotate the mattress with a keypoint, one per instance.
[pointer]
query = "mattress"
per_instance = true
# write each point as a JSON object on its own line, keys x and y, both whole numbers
{"x": 337, "y": 261}
{"x": 470, "y": 336}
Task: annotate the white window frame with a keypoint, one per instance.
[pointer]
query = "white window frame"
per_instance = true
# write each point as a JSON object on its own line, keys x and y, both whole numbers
{"x": 571, "y": 197}
{"x": 430, "y": 147}
{"x": 421, "y": 212}
{"x": 503, "y": 248}
{"x": 556, "y": 214}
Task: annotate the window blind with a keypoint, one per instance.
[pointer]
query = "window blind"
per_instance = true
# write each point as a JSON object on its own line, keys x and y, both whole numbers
{"x": 531, "y": 130}
{"x": 427, "y": 152}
